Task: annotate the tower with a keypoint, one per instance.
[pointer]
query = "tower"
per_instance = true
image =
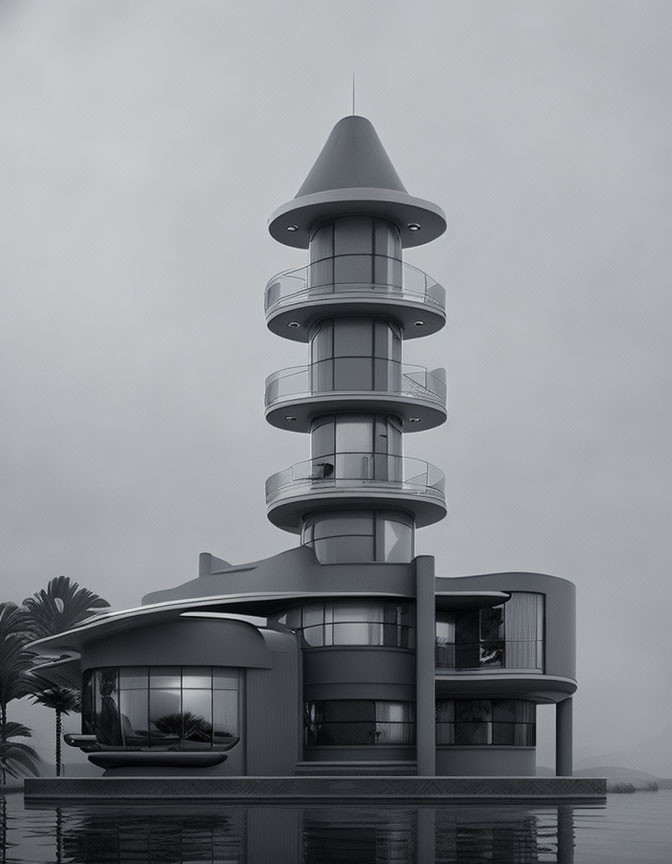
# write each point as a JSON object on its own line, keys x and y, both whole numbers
{"x": 348, "y": 654}
{"x": 357, "y": 498}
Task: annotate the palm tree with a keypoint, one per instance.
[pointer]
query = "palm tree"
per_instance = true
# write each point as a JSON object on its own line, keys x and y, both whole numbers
{"x": 16, "y": 758}
{"x": 14, "y": 659}
{"x": 63, "y": 605}
{"x": 15, "y": 662}
{"x": 63, "y": 700}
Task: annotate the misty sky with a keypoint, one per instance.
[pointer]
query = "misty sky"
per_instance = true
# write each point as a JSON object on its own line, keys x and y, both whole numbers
{"x": 143, "y": 145}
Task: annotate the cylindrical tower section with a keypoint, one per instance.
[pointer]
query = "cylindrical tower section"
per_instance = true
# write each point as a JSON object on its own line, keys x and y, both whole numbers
{"x": 357, "y": 498}
{"x": 354, "y": 251}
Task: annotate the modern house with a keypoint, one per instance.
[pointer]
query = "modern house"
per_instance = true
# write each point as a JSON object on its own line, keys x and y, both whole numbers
{"x": 348, "y": 654}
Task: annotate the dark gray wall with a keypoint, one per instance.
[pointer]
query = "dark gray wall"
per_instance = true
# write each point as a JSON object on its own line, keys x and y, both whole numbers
{"x": 349, "y": 673}
{"x": 181, "y": 642}
{"x": 271, "y": 710}
{"x": 486, "y": 761}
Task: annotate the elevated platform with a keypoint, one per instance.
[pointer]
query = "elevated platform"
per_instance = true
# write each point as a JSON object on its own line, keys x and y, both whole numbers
{"x": 281, "y": 790}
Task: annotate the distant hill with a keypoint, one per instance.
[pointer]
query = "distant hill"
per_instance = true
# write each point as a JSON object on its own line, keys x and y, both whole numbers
{"x": 618, "y": 774}
{"x": 614, "y": 774}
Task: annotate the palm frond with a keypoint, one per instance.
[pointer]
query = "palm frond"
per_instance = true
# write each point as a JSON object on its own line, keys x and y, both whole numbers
{"x": 18, "y": 759}
{"x": 62, "y": 605}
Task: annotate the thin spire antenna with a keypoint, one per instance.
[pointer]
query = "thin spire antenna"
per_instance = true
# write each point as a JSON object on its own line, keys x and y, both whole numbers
{"x": 353, "y": 93}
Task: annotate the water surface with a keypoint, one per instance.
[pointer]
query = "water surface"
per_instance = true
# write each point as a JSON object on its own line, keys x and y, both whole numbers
{"x": 630, "y": 828}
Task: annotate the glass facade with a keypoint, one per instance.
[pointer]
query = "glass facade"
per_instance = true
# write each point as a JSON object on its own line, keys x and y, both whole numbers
{"x": 508, "y": 636}
{"x": 358, "y": 722}
{"x": 351, "y": 622}
{"x": 353, "y": 536}
{"x": 355, "y": 250}
{"x": 165, "y": 707}
{"x": 477, "y": 722}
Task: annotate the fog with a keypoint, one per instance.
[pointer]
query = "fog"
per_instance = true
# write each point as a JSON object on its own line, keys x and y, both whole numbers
{"x": 144, "y": 144}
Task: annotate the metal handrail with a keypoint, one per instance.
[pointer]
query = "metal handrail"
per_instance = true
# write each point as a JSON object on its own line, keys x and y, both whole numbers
{"x": 446, "y": 654}
{"x": 322, "y": 278}
{"x": 400, "y": 379}
{"x": 342, "y": 471}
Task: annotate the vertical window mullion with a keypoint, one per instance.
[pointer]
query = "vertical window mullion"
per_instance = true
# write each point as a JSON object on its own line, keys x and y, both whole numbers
{"x": 181, "y": 702}
{"x": 212, "y": 707}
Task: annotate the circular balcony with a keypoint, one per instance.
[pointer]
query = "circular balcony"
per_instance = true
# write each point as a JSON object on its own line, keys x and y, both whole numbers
{"x": 350, "y": 384}
{"x": 355, "y": 481}
{"x": 375, "y": 285}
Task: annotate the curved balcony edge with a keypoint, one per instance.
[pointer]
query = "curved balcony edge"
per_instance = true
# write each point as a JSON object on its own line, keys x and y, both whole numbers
{"x": 540, "y": 686}
{"x": 294, "y": 414}
{"x": 342, "y": 481}
{"x": 294, "y": 396}
{"x": 294, "y": 320}
{"x": 287, "y": 511}
{"x": 294, "y": 299}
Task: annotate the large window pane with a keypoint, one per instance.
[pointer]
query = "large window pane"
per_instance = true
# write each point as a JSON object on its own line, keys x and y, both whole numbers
{"x": 133, "y": 705}
{"x": 197, "y": 715}
{"x": 165, "y": 715}
{"x": 353, "y": 337}
{"x": 322, "y": 438}
{"x": 328, "y": 525}
{"x": 348, "y": 710}
{"x": 196, "y": 676}
{"x": 343, "y": 550}
{"x": 397, "y": 541}
{"x": 127, "y": 707}
{"x": 357, "y": 633}
{"x": 473, "y": 709}
{"x": 468, "y": 722}
{"x": 222, "y": 680}
{"x": 354, "y": 434}
{"x": 88, "y": 722}
{"x": 165, "y": 676}
{"x": 359, "y": 723}
{"x": 108, "y": 729}
{"x": 225, "y": 708}
{"x": 313, "y": 614}
{"x": 133, "y": 678}
{"x": 314, "y": 636}
{"x": 394, "y": 733}
{"x": 473, "y": 733}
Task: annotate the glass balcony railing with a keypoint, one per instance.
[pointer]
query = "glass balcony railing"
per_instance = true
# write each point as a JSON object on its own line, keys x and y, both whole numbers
{"x": 525, "y": 654}
{"x": 345, "y": 472}
{"x": 356, "y": 374}
{"x": 349, "y": 275}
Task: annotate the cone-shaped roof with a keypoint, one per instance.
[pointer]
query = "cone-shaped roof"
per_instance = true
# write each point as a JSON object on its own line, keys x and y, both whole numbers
{"x": 352, "y": 156}
{"x": 353, "y": 175}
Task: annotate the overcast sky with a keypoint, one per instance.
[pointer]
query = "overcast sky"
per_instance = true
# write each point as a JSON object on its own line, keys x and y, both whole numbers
{"x": 143, "y": 145}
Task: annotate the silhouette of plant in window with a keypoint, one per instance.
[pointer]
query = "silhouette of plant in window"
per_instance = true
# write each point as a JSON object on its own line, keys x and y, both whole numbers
{"x": 188, "y": 726}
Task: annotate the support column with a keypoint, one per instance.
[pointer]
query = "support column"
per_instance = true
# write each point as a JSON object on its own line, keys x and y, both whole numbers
{"x": 563, "y": 739}
{"x": 425, "y": 627}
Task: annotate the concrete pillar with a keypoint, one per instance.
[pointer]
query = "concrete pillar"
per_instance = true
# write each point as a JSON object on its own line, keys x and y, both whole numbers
{"x": 563, "y": 739}
{"x": 425, "y": 627}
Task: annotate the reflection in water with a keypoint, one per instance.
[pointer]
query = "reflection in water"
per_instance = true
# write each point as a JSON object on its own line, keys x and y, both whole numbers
{"x": 166, "y": 833}
{"x": 209, "y": 832}
{"x": 359, "y": 835}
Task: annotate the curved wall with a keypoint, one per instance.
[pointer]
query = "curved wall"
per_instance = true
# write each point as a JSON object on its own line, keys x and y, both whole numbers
{"x": 181, "y": 642}
{"x": 560, "y": 611}
{"x": 487, "y": 761}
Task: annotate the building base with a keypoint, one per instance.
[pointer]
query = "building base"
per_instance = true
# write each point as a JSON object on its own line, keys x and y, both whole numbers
{"x": 281, "y": 790}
